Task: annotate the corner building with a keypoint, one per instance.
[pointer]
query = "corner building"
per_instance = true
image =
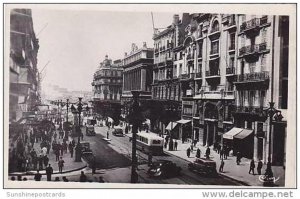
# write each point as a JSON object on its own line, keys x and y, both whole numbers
{"x": 107, "y": 88}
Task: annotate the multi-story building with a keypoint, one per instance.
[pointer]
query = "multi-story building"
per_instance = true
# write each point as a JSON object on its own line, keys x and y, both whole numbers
{"x": 262, "y": 77}
{"x": 166, "y": 86}
{"x": 24, "y": 94}
{"x": 137, "y": 75}
{"x": 107, "y": 88}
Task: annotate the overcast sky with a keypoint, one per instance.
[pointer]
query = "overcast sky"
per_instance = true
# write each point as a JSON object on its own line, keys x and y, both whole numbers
{"x": 76, "y": 41}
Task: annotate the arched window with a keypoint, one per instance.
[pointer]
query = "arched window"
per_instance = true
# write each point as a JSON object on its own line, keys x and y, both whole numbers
{"x": 215, "y": 27}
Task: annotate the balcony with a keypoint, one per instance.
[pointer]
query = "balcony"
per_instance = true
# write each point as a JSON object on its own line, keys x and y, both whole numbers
{"x": 187, "y": 76}
{"x": 231, "y": 47}
{"x": 230, "y": 71}
{"x": 229, "y": 20}
{"x": 155, "y": 81}
{"x": 253, "y": 49}
{"x": 252, "y": 77}
{"x": 211, "y": 73}
{"x": 254, "y": 25}
{"x": 250, "y": 110}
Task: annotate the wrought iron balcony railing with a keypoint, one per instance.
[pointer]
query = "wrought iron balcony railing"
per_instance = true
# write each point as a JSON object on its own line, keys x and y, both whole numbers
{"x": 256, "y": 48}
{"x": 253, "y": 23}
{"x": 212, "y": 73}
{"x": 259, "y": 76}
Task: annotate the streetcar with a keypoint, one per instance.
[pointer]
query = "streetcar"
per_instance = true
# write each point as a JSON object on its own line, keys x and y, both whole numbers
{"x": 149, "y": 143}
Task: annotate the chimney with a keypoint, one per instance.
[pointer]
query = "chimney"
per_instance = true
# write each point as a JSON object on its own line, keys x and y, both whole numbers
{"x": 176, "y": 19}
{"x": 125, "y": 54}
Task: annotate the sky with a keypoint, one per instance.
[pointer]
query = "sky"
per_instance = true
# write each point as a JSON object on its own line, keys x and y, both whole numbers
{"x": 74, "y": 42}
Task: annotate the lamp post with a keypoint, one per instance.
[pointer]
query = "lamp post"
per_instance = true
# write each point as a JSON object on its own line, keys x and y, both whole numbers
{"x": 136, "y": 119}
{"x": 78, "y": 146}
{"x": 67, "y": 110}
{"x": 276, "y": 114}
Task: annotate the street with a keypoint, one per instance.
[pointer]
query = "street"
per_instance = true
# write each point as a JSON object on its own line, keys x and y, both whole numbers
{"x": 117, "y": 153}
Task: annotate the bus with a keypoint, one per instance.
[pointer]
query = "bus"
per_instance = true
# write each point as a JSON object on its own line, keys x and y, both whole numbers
{"x": 149, "y": 143}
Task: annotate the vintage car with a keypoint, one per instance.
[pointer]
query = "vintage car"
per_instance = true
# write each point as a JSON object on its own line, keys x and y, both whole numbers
{"x": 163, "y": 168}
{"x": 204, "y": 166}
{"x": 117, "y": 131}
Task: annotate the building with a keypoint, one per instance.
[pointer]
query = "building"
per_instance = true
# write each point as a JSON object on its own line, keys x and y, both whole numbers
{"x": 137, "y": 75}
{"x": 262, "y": 77}
{"x": 166, "y": 88}
{"x": 24, "y": 92}
{"x": 107, "y": 88}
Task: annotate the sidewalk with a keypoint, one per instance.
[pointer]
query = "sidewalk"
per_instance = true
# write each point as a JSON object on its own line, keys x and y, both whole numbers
{"x": 231, "y": 169}
{"x": 69, "y": 165}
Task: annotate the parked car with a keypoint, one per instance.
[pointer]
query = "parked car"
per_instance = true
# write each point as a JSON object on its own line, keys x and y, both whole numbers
{"x": 117, "y": 131}
{"x": 163, "y": 168}
{"x": 204, "y": 166}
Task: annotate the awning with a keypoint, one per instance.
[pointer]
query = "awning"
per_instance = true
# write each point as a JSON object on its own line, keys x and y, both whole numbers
{"x": 171, "y": 126}
{"x": 229, "y": 135}
{"x": 183, "y": 121}
{"x": 245, "y": 133}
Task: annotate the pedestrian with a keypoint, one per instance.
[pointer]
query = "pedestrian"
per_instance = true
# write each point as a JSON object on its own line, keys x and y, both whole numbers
{"x": 49, "y": 172}
{"x": 61, "y": 150}
{"x": 60, "y": 164}
{"x": 221, "y": 153}
{"x": 71, "y": 149}
{"x": 94, "y": 166}
{"x": 166, "y": 144}
{"x": 207, "y": 152}
{"x": 219, "y": 147}
{"x": 175, "y": 145}
{"x": 238, "y": 158}
{"x": 46, "y": 160}
{"x": 195, "y": 142}
{"x": 226, "y": 152}
{"x": 56, "y": 154}
{"x": 40, "y": 160}
{"x": 259, "y": 167}
{"x": 81, "y": 136}
{"x": 82, "y": 177}
{"x": 65, "y": 179}
{"x": 192, "y": 148}
{"x": 198, "y": 153}
{"x": 221, "y": 166}
{"x": 188, "y": 152}
{"x": 37, "y": 176}
{"x": 252, "y": 166}
{"x": 73, "y": 143}
{"x": 149, "y": 159}
{"x": 101, "y": 180}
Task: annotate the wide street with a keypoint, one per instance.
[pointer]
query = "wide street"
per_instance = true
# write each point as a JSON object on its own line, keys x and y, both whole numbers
{"x": 115, "y": 155}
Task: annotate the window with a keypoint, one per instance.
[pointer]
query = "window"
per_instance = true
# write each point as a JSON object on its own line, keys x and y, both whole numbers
{"x": 252, "y": 67}
{"x": 200, "y": 50}
{"x": 264, "y": 35}
{"x": 231, "y": 62}
{"x": 232, "y": 41}
{"x": 180, "y": 57}
{"x": 242, "y": 40}
{"x": 155, "y": 141}
{"x": 263, "y": 62}
{"x": 175, "y": 56}
{"x": 215, "y": 27}
{"x": 214, "y": 47}
{"x": 180, "y": 69}
{"x": 199, "y": 67}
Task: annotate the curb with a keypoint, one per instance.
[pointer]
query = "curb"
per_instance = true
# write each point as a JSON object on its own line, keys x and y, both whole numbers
{"x": 224, "y": 175}
{"x": 55, "y": 172}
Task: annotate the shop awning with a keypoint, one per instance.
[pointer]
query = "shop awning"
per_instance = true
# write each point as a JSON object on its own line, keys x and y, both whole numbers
{"x": 229, "y": 135}
{"x": 183, "y": 121}
{"x": 245, "y": 133}
{"x": 171, "y": 126}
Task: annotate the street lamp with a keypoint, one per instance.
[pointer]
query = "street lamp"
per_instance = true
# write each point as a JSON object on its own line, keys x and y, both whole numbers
{"x": 135, "y": 118}
{"x": 67, "y": 110}
{"x": 276, "y": 114}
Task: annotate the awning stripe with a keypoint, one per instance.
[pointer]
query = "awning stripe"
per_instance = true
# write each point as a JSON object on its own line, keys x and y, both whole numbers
{"x": 229, "y": 135}
{"x": 183, "y": 121}
{"x": 245, "y": 133}
{"x": 171, "y": 126}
